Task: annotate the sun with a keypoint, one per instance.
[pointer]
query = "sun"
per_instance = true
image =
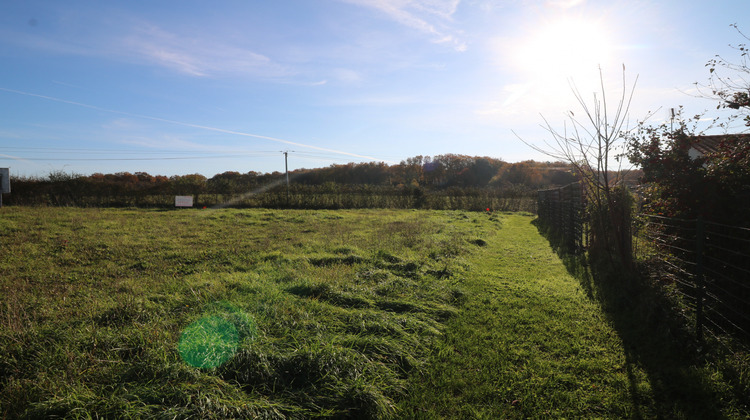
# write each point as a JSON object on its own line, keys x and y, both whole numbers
{"x": 563, "y": 49}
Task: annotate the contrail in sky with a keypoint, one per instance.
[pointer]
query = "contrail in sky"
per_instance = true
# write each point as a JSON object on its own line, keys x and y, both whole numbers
{"x": 202, "y": 127}
{"x": 15, "y": 158}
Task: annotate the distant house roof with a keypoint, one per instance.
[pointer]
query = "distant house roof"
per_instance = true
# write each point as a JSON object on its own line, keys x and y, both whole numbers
{"x": 703, "y": 145}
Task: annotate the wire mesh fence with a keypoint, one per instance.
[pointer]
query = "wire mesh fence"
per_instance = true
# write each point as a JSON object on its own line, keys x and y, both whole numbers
{"x": 561, "y": 212}
{"x": 708, "y": 265}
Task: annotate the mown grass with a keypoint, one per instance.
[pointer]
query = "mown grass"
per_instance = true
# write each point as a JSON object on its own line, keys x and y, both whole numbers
{"x": 301, "y": 314}
{"x": 538, "y": 341}
{"x": 227, "y": 313}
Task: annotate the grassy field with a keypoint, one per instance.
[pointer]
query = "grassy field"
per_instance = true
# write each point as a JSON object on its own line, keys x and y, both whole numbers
{"x": 300, "y": 314}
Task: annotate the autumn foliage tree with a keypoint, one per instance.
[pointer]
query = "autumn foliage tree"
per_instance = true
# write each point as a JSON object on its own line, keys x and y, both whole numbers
{"x": 416, "y": 180}
{"x": 714, "y": 186}
{"x": 674, "y": 182}
{"x": 523, "y": 173}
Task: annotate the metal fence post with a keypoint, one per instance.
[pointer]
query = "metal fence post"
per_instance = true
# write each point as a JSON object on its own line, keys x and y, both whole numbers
{"x": 700, "y": 283}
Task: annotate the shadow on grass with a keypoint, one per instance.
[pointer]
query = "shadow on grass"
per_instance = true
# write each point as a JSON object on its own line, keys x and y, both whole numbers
{"x": 655, "y": 338}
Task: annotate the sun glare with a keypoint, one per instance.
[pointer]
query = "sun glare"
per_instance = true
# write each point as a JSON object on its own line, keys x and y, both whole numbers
{"x": 563, "y": 49}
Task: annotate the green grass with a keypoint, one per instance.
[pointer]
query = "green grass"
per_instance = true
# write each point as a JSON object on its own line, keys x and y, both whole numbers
{"x": 300, "y": 314}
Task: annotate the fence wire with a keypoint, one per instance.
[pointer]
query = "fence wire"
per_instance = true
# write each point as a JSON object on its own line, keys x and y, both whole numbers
{"x": 709, "y": 265}
{"x": 561, "y": 211}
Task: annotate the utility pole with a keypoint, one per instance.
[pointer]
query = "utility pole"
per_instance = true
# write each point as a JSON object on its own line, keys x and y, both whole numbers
{"x": 286, "y": 170}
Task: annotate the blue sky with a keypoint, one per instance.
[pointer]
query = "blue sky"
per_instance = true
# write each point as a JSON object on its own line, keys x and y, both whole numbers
{"x": 181, "y": 87}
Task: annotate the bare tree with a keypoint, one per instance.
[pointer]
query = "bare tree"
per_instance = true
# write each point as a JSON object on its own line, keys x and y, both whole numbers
{"x": 729, "y": 81}
{"x": 593, "y": 144}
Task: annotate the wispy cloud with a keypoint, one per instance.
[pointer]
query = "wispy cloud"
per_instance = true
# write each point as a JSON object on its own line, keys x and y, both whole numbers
{"x": 143, "y": 43}
{"x": 190, "y": 125}
{"x": 16, "y": 158}
{"x": 511, "y": 95}
{"x": 348, "y": 76}
{"x": 431, "y": 17}
{"x": 565, "y": 4}
{"x": 199, "y": 57}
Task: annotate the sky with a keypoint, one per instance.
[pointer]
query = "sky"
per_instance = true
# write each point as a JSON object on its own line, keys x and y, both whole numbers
{"x": 183, "y": 87}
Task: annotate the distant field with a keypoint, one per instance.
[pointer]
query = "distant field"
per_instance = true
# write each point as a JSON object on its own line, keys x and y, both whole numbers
{"x": 298, "y": 314}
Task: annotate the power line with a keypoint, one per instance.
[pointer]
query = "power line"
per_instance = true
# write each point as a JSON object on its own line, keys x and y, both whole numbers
{"x": 185, "y": 124}
{"x": 12, "y": 149}
{"x": 28, "y": 152}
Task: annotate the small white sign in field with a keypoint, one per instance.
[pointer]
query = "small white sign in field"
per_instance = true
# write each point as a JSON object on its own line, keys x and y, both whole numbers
{"x": 4, "y": 180}
{"x": 183, "y": 201}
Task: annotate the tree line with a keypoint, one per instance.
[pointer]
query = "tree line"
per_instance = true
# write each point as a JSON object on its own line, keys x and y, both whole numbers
{"x": 443, "y": 181}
